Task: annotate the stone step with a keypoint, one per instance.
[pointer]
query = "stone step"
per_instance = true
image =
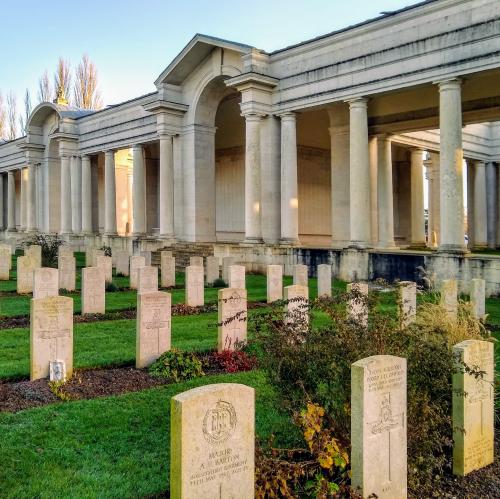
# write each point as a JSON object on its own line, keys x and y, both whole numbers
{"x": 182, "y": 253}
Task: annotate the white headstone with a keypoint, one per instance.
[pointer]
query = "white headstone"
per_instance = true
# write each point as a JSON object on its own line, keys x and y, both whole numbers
{"x": 232, "y": 321}
{"x": 378, "y": 426}
{"x": 274, "y": 283}
{"x": 357, "y": 306}
{"x": 93, "y": 291}
{"x": 407, "y": 302}
{"x": 67, "y": 272}
{"x": 449, "y": 298}
{"x": 5, "y": 260}
{"x": 147, "y": 281}
{"x": 35, "y": 253}
{"x": 297, "y": 305}
{"x": 473, "y": 406}
{"x": 105, "y": 263}
{"x": 300, "y": 275}
{"x": 51, "y": 335}
{"x": 136, "y": 262}
{"x": 227, "y": 261}
{"x": 196, "y": 261}
{"x": 324, "y": 280}
{"x": 212, "y": 269}
{"x": 237, "y": 276}
{"x": 153, "y": 326}
{"x": 478, "y": 298}
{"x": 45, "y": 282}
{"x": 147, "y": 258}
{"x": 121, "y": 262}
{"x": 167, "y": 270}
{"x": 212, "y": 443}
{"x": 7, "y": 247}
{"x": 24, "y": 274}
{"x": 194, "y": 286}
{"x": 65, "y": 251}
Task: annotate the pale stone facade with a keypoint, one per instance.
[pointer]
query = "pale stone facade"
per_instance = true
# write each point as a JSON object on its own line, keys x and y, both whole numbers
{"x": 323, "y": 144}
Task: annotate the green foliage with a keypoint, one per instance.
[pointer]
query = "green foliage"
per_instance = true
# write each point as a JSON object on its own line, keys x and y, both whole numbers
{"x": 106, "y": 249}
{"x": 325, "y": 378}
{"x": 111, "y": 287}
{"x": 176, "y": 365}
{"x": 57, "y": 388}
{"x": 50, "y": 247}
{"x": 219, "y": 283}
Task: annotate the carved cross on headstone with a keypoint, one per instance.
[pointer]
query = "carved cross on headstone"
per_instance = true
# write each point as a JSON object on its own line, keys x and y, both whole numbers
{"x": 155, "y": 325}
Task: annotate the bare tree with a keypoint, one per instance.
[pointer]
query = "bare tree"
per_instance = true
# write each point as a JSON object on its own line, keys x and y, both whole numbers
{"x": 3, "y": 119}
{"x": 23, "y": 120}
{"x": 44, "y": 88}
{"x": 85, "y": 92}
{"x": 11, "y": 116}
{"x": 62, "y": 79}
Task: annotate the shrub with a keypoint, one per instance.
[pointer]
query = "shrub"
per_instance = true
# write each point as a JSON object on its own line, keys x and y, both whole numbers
{"x": 176, "y": 365}
{"x": 233, "y": 361}
{"x": 50, "y": 247}
{"x": 106, "y": 249}
{"x": 219, "y": 283}
{"x": 111, "y": 286}
{"x": 314, "y": 365}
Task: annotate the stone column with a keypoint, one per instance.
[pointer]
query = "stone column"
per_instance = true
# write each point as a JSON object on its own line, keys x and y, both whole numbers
{"x": 372, "y": 151}
{"x": 430, "y": 210}
{"x": 65, "y": 195}
{"x": 76, "y": 194}
{"x": 359, "y": 182}
{"x": 130, "y": 197}
{"x": 289, "y": 180}
{"x": 253, "y": 227}
{"x": 470, "y": 202}
{"x": 417, "y": 198}
{"x": 86, "y": 169}
{"x": 40, "y": 208}
{"x": 166, "y": 187}
{"x": 384, "y": 193}
{"x": 139, "y": 191}
{"x": 339, "y": 141}
{"x": 31, "y": 199}
{"x": 109, "y": 194}
{"x": 491, "y": 196}
{"x": 436, "y": 198}
{"x": 451, "y": 167}
{"x": 480, "y": 208}
{"x": 2, "y": 225}
{"x": 24, "y": 199}
{"x": 11, "y": 202}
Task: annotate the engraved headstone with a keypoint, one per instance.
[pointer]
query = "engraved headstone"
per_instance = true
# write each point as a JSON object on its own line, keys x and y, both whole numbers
{"x": 212, "y": 269}
{"x": 324, "y": 280}
{"x": 232, "y": 323}
{"x": 24, "y": 275}
{"x": 237, "y": 276}
{"x": 7, "y": 247}
{"x": 105, "y": 263}
{"x": 449, "y": 299}
{"x": 34, "y": 251}
{"x": 136, "y": 262}
{"x": 121, "y": 262}
{"x": 357, "y": 306}
{"x": 473, "y": 406}
{"x": 300, "y": 275}
{"x": 147, "y": 258}
{"x": 196, "y": 261}
{"x": 478, "y": 298}
{"x": 194, "y": 286}
{"x": 51, "y": 335}
{"x": 45, "y": 282}
{"x": 274, "y": 283}
{"x": 378, "y": 426}
{"x": 93, "y": 291}
{"x": 296, "y": 308}
{"x": 147, "y": 281}
{"x": 227, "y": 261}
{"x": 67, "y": 272}
{"x": 167, "y": 270}
{"x": 153, "y": 326}
{"x": 64, "y": 251}
{"x": 94, "y": 253}
{"x": 212, "y": 442}
{"x": 407, "y": 302}
{"x": 5, "y": 259}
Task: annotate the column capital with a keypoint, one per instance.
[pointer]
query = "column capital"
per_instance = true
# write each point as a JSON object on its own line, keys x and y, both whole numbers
{"x": 449, "y": 84}
{"x": 478, "y": 163}
{"x": 383, "y": 136}
{"x": 253, "y": 116}
{"x": 357, "y": 102}
{"x": 287, "y": 116}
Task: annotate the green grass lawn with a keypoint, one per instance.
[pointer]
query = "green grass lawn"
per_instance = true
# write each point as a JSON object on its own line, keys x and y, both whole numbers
{"x": 110, "y": 447}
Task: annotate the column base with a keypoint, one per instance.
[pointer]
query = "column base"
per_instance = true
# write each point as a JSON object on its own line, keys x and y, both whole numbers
{"x": 253, "y": 240}
{"x": 169, "y": 238}
{"x": 360, "y": 245}
{"x": 479, "y": 247}
{"x": 111, "y": 234}
{"x": 453, "y": 248}
{"x": 386, "y": 246}
{"x": 417, "y": 244}
{"x": 12, "y": 230}
{"x": 289, "y": 241}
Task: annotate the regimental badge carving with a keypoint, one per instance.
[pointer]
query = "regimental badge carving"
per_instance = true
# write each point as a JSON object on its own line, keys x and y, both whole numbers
{"x": 387, "y": 421}
{"x": 219, "y": 422}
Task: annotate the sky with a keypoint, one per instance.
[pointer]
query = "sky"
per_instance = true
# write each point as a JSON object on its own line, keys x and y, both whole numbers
{"x": 131, "y": 42}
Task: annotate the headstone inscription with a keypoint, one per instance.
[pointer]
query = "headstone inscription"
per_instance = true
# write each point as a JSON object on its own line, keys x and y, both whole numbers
{"x": 45, "y": 282}
{"x": 232, "y": 318}
{"x": 274, "y": 283}
{"x": 237, "y": 277}
{"x": 147, "y": 281}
